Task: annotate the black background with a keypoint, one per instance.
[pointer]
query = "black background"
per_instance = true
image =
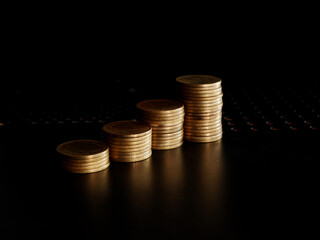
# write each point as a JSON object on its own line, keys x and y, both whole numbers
{"x": 73, "y": 48}
{"x": 54, "y": 57}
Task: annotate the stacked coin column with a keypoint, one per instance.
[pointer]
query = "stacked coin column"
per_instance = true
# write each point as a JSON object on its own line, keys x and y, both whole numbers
{"x": 84, "y": 156}
{"x": 128, "y": 141}
{"x": 202, "y": 98}
{"x": 166, "y": 119}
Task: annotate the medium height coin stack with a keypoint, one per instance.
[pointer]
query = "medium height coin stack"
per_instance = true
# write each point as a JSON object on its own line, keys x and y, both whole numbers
{"x": 202, "y": 98}
{"x": 129, "y": 141}
{"x": 166, "y": 119}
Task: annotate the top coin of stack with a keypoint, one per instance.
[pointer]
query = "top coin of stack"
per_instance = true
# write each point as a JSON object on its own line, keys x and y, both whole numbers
{"x": 129, "y": 141}
{"x": 84, "y": 156}
{"x": 202, "y": 98}
{"x": 166, "y": 119}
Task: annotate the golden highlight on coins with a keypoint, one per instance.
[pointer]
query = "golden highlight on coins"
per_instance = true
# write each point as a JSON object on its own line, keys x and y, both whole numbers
{"x": 166, "y": 118}
{"x": 202, "y": 99}
{"x": 129, "y": 141}
{"x": 84, "y": 156}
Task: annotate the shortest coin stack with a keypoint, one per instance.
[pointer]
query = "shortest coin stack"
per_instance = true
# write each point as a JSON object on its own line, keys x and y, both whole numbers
{"x": 84, "y": 156}
{"x": 166, "y": 119}
{"x": 129, "y": 141}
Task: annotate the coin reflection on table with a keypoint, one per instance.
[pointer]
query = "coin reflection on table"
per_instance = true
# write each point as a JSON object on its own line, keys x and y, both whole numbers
{"x": 209, "y": 188}
{"x": 170, "y": 167}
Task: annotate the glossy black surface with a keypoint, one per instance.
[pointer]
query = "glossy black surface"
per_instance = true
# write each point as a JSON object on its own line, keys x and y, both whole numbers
{"x": 258, "y": 182}
{"x": 237, "y": 188}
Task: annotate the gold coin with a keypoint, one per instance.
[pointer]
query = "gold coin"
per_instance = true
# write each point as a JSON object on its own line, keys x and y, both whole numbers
{"x": 156, "y": 147}
{"x": 128, "y": 140}
{"x": 212, "y": 108}
{"x": 167, "y": 134}
{"x": 167, "y": 130}
{"x": 153, "y": 116}
{"x": 127, "y": 129}
{"x": 202, "y": 128}
{"x": 168, "y": 143}
{"x": 125, "y": 150}
{"x": 132, "y": 158}
{"x": 86, "y": 166}
{"x": 129, "y": 153}
{"x": 202, "y": 111}
{"x": 130, "y": 146}
{"x": 168, "y": 140}
{"x": 197, "y": 117}
{"x": 204, "y": 114}
{"x": 163, "y": 126}
{"x": 211, "y": 119}
{"x": 92, "y": 158}
{"x": 209, "y": 129}
{"x": 202, "y": 95}
{"x": 157, "y": 117}
{"x": 136, "y": 145}
{"x": 85, "y": 161}
{"x": 171, "y": 138}
{"x": 212, "y": 128}
{"x": 198, "y": 87}
{"x": 190, "y": 122}
{"x": 188, "y": 90}
{"x": 203, "y": 134}
{"x": 162, "y": 136}
{"x": 199, "y": 81}
{"x": 185, "y": 97}
{"x": 160, "y": 106}
{"x": 164, "y": 123}
{"x": 202, "y": 98}
{"x": 132, "y": 142}
{"x": 74, "y": 170}
{"x": 199, "y": 110}
{"x": 203, "y": 139}
{"x": 161, "y": 130}
{"x": 202, "y": 104}
{"x": 202, "y": 117}
{"x": 198, "y": 102}
{"x": 196, "y": 124}
{"x": 83, "y": 149}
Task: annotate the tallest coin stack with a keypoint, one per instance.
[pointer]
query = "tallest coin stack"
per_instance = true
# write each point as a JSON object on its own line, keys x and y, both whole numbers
{"x": 202, "y": 98}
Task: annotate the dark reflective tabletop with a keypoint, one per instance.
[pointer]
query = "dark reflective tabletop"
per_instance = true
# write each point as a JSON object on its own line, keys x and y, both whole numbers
{"x": 237, "y": 188}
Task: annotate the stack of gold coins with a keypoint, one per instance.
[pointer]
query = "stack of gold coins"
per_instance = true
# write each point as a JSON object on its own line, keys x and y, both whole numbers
{"x": 129, "y": 141}
{"x": 202, "y": 98}
{"x": 166, "y": 119}
{"x": 84, "y": 156}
